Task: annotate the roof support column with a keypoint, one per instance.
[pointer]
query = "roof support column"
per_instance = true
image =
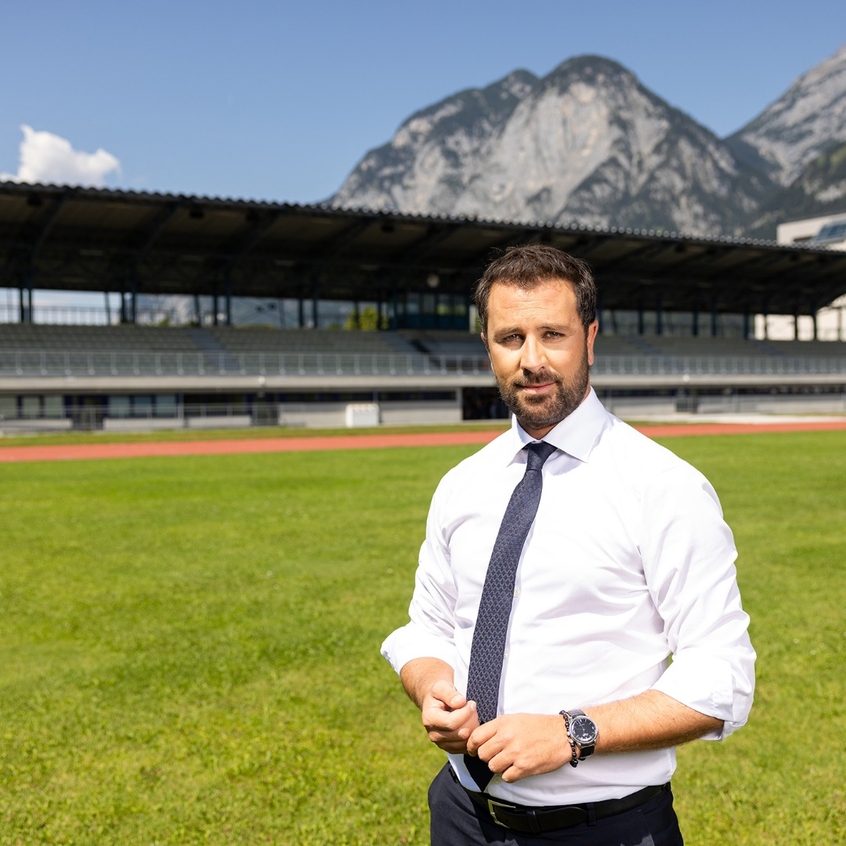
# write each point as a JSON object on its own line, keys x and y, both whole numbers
{"x": 133, "y": 300}
{"x": 695, "y": 316}
{"x": 659, "y": 315}
{"x": 714, "y": 316}
{"x": 393, "y": 325}
{"x": 315, "y": 305}
{"x": 26, "y": 302}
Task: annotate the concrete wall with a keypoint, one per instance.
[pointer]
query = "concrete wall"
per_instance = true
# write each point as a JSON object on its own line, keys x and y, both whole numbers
{"x": 422, "y": 413}
{"x": 22, "y": 425}
{"x": 334, "y": 415}
{"x": 141, "y": 424}
{"x": 631, "y": 408}
{"x": 776, "y": 404}
{"x": 323, "y": 415}
{"x": 228, "y": 421}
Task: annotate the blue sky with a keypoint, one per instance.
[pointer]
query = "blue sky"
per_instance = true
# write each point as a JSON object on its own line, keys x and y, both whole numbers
{"x": 278, "y": 101}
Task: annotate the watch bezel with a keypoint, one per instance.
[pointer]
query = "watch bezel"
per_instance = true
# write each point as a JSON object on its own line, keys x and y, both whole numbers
{"x": 587, "y": 745}
{"x": 583, "y": 730}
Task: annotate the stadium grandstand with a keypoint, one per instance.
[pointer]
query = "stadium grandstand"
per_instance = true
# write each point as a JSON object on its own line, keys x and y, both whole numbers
{"x": 223, "y": 312}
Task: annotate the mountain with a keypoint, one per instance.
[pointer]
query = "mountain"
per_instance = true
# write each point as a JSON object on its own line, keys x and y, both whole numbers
{"x": 430, "y": 157}
{"x": 589, "y": 144}
{"x": 820, "y": 189}
{"x": 806, "y": 121}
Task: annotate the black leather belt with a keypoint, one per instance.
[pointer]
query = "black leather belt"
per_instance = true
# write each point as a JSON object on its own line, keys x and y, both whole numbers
{"x": 528, "y": 819}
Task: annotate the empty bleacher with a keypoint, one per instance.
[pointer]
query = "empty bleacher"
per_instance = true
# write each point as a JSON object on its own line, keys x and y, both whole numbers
{"x": 255, "y": 340}
{"x": 148, "y": 339}
{"x": 445, "y": 343}
{"x": 680, "y": 346}
{"x": 29, "y": 336}
{"x": 32, "y": 349}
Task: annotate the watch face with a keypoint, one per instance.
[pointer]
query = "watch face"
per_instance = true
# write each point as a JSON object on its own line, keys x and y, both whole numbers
{"x": 583, "y": 730}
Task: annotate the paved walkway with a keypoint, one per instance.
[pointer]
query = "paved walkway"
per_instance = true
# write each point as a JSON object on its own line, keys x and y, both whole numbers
{"x": 76, "y": 452}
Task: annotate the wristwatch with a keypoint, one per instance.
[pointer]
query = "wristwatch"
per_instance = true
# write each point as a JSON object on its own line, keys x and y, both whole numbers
{"x": 582, "y": 731}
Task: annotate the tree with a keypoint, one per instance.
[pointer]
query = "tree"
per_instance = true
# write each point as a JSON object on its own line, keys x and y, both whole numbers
{"x": 366, "y": 320}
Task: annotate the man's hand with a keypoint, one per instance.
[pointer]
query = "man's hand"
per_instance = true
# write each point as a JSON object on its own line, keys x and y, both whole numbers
{"x": 520, "y": 745}
{"x": 448, "y": 717}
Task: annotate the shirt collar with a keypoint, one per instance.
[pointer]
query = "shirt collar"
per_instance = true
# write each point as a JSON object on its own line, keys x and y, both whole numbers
{"x": 576, "y": 434}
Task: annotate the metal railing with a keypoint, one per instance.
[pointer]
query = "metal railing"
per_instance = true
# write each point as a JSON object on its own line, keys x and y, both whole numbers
{"x": 112, "y": 363}
{"x": 93, "y": 416}
{"x": 715, "y": 365}
{"x": 51, "y": 363}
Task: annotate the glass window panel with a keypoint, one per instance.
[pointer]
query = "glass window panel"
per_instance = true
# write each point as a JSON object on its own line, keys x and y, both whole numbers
{"x": 119, "y": 406}
{"x": 54, "y": 406}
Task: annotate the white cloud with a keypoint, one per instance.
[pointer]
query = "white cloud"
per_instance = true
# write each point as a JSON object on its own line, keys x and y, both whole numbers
{"x": 48, "y": 159}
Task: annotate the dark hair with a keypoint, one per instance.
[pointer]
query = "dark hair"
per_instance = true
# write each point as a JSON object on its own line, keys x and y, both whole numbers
{"x": 531, "y": 265}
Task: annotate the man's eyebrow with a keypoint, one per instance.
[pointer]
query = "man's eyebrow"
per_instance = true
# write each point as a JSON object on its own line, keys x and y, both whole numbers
{"x": 547, "y": 327}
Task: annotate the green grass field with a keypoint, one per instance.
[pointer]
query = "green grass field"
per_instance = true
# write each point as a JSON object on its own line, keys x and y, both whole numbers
{"x": 189, "y": 648}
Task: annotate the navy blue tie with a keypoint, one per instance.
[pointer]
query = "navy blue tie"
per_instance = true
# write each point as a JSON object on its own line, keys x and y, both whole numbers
{"x": 488, "y": 648}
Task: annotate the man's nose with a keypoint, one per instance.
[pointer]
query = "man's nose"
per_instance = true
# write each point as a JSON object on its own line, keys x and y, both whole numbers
{"x": 533, "y": 356}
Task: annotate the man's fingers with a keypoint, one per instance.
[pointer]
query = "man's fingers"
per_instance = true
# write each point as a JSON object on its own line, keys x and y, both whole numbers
{"x": 445, "y": 692}
{"x": 448, "y": 719}
{"x": 480, "y": 736}
{"x": 448, "y": 742}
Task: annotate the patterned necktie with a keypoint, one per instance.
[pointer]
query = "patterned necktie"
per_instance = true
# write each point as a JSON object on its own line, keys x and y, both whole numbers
{"x": 488, "y": 648}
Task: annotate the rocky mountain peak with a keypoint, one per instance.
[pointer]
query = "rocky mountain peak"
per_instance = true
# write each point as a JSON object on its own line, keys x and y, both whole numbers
{"x": 589, "y": 143}
{"x": 806, "y": 120}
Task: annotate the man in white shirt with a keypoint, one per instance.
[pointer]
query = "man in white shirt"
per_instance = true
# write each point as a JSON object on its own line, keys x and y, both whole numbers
{"x": 628, "y": 563}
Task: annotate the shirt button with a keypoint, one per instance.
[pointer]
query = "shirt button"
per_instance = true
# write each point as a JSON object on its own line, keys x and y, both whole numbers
{"x": 516, "y": 592}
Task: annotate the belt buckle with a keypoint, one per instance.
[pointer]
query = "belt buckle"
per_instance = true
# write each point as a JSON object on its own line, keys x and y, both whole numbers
{"x": 493, "y": 804}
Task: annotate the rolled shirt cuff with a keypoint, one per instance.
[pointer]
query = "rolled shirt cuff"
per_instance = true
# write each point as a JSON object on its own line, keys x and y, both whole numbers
{"x": 710, "y": 685}
{"x": 410, "y": 642}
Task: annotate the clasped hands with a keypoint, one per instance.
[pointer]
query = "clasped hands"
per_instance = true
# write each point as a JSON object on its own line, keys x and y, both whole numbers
{"x": 513, "y": 745}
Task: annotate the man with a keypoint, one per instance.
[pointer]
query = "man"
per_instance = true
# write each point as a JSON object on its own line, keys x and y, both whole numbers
{"x": 627, "y": 562}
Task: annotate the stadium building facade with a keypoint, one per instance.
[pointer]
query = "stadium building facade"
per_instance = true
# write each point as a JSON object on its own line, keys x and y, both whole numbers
{"x": 226, "y": 312}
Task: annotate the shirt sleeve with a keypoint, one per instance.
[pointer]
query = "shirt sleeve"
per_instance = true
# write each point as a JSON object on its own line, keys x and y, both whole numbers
{"x": 689, "y": 554}
{"x": 430, "y": 631}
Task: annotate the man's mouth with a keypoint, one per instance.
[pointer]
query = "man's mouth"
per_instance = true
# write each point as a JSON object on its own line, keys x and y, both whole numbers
{"x": 537, "y": 388}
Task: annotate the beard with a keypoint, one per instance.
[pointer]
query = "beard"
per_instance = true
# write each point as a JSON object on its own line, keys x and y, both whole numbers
{"x": 539, "y": 412}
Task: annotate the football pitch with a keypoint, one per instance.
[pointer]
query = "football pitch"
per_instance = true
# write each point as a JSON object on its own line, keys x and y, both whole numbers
{"x": 189, "y": 648}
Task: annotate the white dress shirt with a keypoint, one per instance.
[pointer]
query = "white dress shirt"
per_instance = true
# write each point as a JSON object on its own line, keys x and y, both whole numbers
{"x": 629, "y": 562}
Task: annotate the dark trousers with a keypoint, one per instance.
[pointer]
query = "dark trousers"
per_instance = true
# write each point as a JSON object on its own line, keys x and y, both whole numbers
{"x": 457, "y": 821}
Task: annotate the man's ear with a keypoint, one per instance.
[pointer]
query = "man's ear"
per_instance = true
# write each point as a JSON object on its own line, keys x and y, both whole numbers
{"x": 590, "y": 339}
{"x": 485, "y": 342}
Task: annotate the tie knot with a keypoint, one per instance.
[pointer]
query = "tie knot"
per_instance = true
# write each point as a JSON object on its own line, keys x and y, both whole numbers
{"x": 538, "y": 452}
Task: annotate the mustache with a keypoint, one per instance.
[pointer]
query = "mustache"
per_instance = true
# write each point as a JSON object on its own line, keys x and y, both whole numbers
{"x": 541, "y": 378}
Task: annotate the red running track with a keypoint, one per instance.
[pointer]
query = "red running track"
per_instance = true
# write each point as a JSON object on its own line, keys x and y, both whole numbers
{"x": 76, "y": 452}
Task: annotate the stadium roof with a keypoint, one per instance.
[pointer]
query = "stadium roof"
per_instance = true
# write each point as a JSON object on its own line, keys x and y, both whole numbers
{"x": 86, "y": 239}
